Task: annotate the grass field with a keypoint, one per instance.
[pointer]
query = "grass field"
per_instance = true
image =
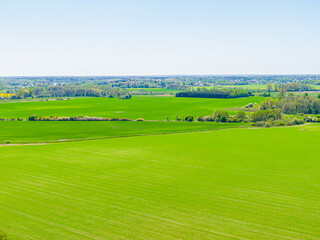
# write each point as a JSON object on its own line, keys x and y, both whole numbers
{"x": 147, "y": 107}
{"x": 226, "y": 184}
{"x": 31, "y": 132}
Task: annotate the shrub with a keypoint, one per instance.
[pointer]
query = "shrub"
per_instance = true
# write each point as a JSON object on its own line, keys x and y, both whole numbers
{"x": 200, "y": 119}
{"x": 241, "y": 115}
{"x": 233, "y": 120}
{"x": 140, "y": 119}
{"x": 189, "y": 118}
{"x": 223, "y": 118}
{"x": 297, "y": 121}
{"x": 208, "y": 118}
{"x": 3, "y": 235}
{"x": 220, "y": 116}
{"x": 308, "y": 119}
{"x": 179, "y": 119}
{"x": 267, "y": 124}
{"x": 279, "y": 123}
{"x": 290, "y": 123}
{"x": 264, "y": 115}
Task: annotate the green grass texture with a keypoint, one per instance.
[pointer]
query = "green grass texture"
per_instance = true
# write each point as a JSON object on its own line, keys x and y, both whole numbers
{"x": 226, "y": 184}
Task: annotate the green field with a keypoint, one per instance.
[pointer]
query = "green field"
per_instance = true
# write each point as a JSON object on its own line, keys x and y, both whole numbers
{"x": 155, "y": 179}
{"x": 147, "y": 107}
{"x": 226, "y": 184}
{"x": 31, "y": 132}
{"x": 152, "y": 89}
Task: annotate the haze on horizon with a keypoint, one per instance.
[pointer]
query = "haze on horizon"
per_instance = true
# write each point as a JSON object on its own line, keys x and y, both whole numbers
{"x": 190, "y": 37}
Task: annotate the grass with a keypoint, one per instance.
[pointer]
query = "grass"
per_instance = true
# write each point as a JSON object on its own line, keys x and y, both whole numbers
{"x": 228, "y": 184}
{"x": 147, "y": 107}
{"x": 34, "y": 132}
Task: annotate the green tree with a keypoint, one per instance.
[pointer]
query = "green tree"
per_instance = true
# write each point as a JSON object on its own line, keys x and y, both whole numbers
{"x": 269, "y": 88}
{"x": 241, "y": 115}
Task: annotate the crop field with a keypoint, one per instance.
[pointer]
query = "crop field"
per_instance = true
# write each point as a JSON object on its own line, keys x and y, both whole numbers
{"x": 223, "y": 184}
{"x": 153, "y": 89}
{"x": 43, "y": 131}
{"x": 147, "y": 107}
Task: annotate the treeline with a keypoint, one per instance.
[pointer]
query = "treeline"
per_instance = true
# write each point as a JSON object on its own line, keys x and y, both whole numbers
{"x": 79, "y": 91}
{"x": 71, "y": 91}
{"x": 293, "y": 104}
{"x": 289, "y": 87}
{"x": 80, "y": 118}
{"x": 215, "y": 93}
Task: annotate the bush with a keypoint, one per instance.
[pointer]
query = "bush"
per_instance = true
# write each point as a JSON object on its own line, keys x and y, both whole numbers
{"x": 233, "y": 120}
{"x": 264, "y": 115}
{"x": 179, "y": 119}
{"x": 140, "y": 119}
{"x": 290, "y": 123}
{"x": 208, "y": 118}
{"x": 189, "y": 118}
{"x": 220, "y": 116}
{"x": 297, "y": 121}
{"x": 200, "y": 119}
{"x": 279, "y": 123}
{"x": 3, "y": 235}
{"x": 308, "y": 119}
{"x": 267, "y": 124}
{"x": 241, "y": 115}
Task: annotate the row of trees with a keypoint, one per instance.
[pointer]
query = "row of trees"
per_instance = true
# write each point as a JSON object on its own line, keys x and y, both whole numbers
{"x": 80, "y": 118}
{"x": 215, "y": 93}
{"x": 71, "y": 91}
{"x": 290, "y": 87}
{"x": 293, "y": 104}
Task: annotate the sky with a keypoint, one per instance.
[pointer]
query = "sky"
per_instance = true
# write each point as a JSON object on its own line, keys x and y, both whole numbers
{"x": 164, "y": 37}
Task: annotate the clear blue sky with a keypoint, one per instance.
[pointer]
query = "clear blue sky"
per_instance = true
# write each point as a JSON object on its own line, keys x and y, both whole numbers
{"x": 139, "y": 37}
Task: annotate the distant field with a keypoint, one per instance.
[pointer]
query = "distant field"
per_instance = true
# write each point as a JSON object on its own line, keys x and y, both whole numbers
{"x": 250, "y": 86}
{"x": 227, "y": 184}
{"x": 147, "y": 107}
{"x": 30, "y": 132}
{"x": 152, "y": 89}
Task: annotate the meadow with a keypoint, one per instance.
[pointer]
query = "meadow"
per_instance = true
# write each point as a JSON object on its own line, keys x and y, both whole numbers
{"x": 147, "y": 107}
{"x": 225, "y": 184}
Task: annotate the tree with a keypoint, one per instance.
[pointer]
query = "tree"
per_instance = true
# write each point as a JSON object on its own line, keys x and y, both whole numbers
{"x": 220, "y": 116}
{"x": 282, "y": 92}
{"x": 241, "y": 115}
{"x": 269, "y": 88}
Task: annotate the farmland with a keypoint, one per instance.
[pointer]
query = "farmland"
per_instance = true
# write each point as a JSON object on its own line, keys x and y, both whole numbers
{"x": 33, "y": 132}
{"x": 155, "y": 179}
{"x": 209, "y": 185}
{"x": 147, "y": 107}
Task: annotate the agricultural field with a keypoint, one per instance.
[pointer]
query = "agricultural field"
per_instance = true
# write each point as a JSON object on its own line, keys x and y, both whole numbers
{"x": 205, "y": 185}
{"x": 152, "y": 89}
{"x": 33, "y": 132}
{"x": 155, "y": 179}
{"x": 146, "y": 107}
